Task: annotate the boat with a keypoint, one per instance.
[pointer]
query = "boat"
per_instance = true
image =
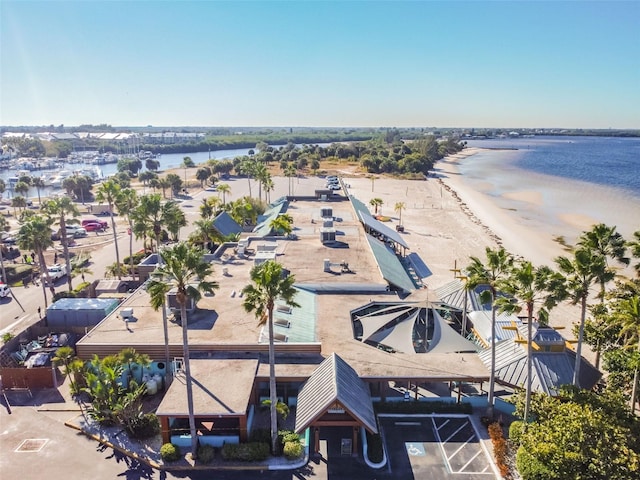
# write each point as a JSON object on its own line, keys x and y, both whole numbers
{"x": 57, "y": 180}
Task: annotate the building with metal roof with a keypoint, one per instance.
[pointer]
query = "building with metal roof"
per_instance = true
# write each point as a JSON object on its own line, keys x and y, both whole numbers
{"x": 553, "y": 364}
{"x": 390, "y": 266}
{"x": 334, "y": 394}
{"x": 226, "y": 225}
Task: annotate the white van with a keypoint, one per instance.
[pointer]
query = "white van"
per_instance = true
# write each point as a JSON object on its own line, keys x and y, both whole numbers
{"x": 4, "y": 290}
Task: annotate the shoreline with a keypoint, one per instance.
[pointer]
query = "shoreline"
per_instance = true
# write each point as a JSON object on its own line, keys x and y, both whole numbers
{"x": 528, "y": 211}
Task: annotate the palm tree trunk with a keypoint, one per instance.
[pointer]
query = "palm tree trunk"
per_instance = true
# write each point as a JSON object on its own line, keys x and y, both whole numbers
{"x": 65, "y": 249}
{"x": 583, "y": 316}
{"x": 165, "y": 331}
{"x": 43, "y": 268}
{"x": 272, "y": 385}
{"x": 115, "y": 239}
{"x": 527, "y": 402}
{"x": 634, "y": 388}
{"x": 131, "y": 250}
{"x": 187, "y": 371}
{"x": 492, "y": 376}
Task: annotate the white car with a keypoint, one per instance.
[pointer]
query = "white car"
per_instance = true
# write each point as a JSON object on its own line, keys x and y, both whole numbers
{"x": 5, "y": 291}
{"x": 56, "y": 272}
{"x": 334, "y": 187}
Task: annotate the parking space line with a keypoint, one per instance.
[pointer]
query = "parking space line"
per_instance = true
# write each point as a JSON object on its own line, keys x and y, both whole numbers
{"x": 470, "y": 460}
{"x": 441, "y": 426}
{"x": 459, "y": 428}
{"x": 462, "y": 445}
{"x": 441, "y": 445}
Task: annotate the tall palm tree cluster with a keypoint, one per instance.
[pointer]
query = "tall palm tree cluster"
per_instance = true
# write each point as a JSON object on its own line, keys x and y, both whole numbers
{"x": 583, "y": 278}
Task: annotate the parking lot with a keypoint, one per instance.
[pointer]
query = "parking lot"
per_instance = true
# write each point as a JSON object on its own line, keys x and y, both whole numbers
{"x": 435, "y": 447}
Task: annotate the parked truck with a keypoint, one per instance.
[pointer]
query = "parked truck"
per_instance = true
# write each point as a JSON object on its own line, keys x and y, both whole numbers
{"x": 99, "y": 209}
{"x": 56, "y": 272}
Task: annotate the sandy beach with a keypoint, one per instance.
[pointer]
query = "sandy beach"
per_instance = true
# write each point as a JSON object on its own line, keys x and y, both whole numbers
{"x": 450, "y": 217}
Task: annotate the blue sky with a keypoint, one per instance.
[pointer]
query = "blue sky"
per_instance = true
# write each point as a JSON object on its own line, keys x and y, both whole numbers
{"x": 314, "y": 63}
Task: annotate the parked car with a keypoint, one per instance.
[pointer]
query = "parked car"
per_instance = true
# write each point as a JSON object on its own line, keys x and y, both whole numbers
{"x": 79, "y": 233}
{"x": 334, "y": 187}
{"x": 9, "y": 237}
{"x": 4, "y": 290}
{"x": 56, "y": 272}
{"x": 95, "y": 220}
{"x": 93, "y": 227}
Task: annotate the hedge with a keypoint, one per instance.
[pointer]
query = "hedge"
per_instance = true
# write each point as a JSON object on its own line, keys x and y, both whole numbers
{"x": 246, "y": 452}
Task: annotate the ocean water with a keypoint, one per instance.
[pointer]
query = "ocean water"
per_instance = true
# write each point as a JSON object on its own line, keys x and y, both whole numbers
{"x": 612, "y": 162}
{"x": 558, "y": 185}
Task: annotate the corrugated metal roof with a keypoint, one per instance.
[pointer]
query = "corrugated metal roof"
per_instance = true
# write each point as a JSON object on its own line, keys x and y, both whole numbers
{"x": 263, "y": 226}
{"x": 226, "y": 225}
{"x": 482, "y": 325}
{"x": 358, "y": 206}
{"x": 334, "y": 381}
{"x": 381, "y": 228}
{"x": 550, "y": 370}
{"x": 390, "y": 267}
{"x": 452, "y": 293}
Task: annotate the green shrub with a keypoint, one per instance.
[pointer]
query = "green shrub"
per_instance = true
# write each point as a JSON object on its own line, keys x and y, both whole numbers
{"x": 7, "y": 336}
{"x": 516, "y": 429}
{"x": 246, "y": 452}
{"x": 293, "y": 450}
{"x": 146, "y": 426}
{"x": 261, "y": 435}
{"x": 374, "y": 448}
{"x": 290, "y": 437}
{"x": 169, "y": 452}
{"x": 206, "y": 453}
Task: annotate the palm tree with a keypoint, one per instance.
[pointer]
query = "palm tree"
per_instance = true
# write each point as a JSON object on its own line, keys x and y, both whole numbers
{"x": 185, "y": 271}
{"x": 62, "y": 208}
{"x": 247, "y": 167}
{"x": 268, "y": 284}
{"x": 21, "y": 188}
{"x": 282, "y": 224}
{"x": 35, "y": 235}
{"x": 399, "y": 207}
{"x": 109, "y": 192}
{"x": 528, "y": 287}
{"x": 129, "y": 356}
{"x": 606, "y": 242}
{"x": 165, "y": 183}
{"x": 82, "y": 271}
{"x": 202, "y": 175}
{"x": 126, "y": 204}
{"x": 18, "y": 202}
{"x": 634, "y": 246}
{"x": 175, "y": 219}
{"x": 204, "y": 232}
{"x": 376, "y": 203}
{"x": 626, "y": 312}
{"x": 38, "y": 182}
{"x": 269, "y": 186}
{"x": 581, "y": 271}
{"x": 497, "y": 268}
{"x": 225, "y": 189}
{"x": 290, "y": 172}
{"x": 213, "y": 206}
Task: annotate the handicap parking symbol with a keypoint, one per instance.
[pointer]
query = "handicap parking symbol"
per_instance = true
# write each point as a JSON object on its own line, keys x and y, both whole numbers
{"x": 415, "y": 449}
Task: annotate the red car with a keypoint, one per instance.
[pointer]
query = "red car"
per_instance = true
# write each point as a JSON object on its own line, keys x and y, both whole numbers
{"x": 93, "y": 227}
{"x": 94, "y": 220}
